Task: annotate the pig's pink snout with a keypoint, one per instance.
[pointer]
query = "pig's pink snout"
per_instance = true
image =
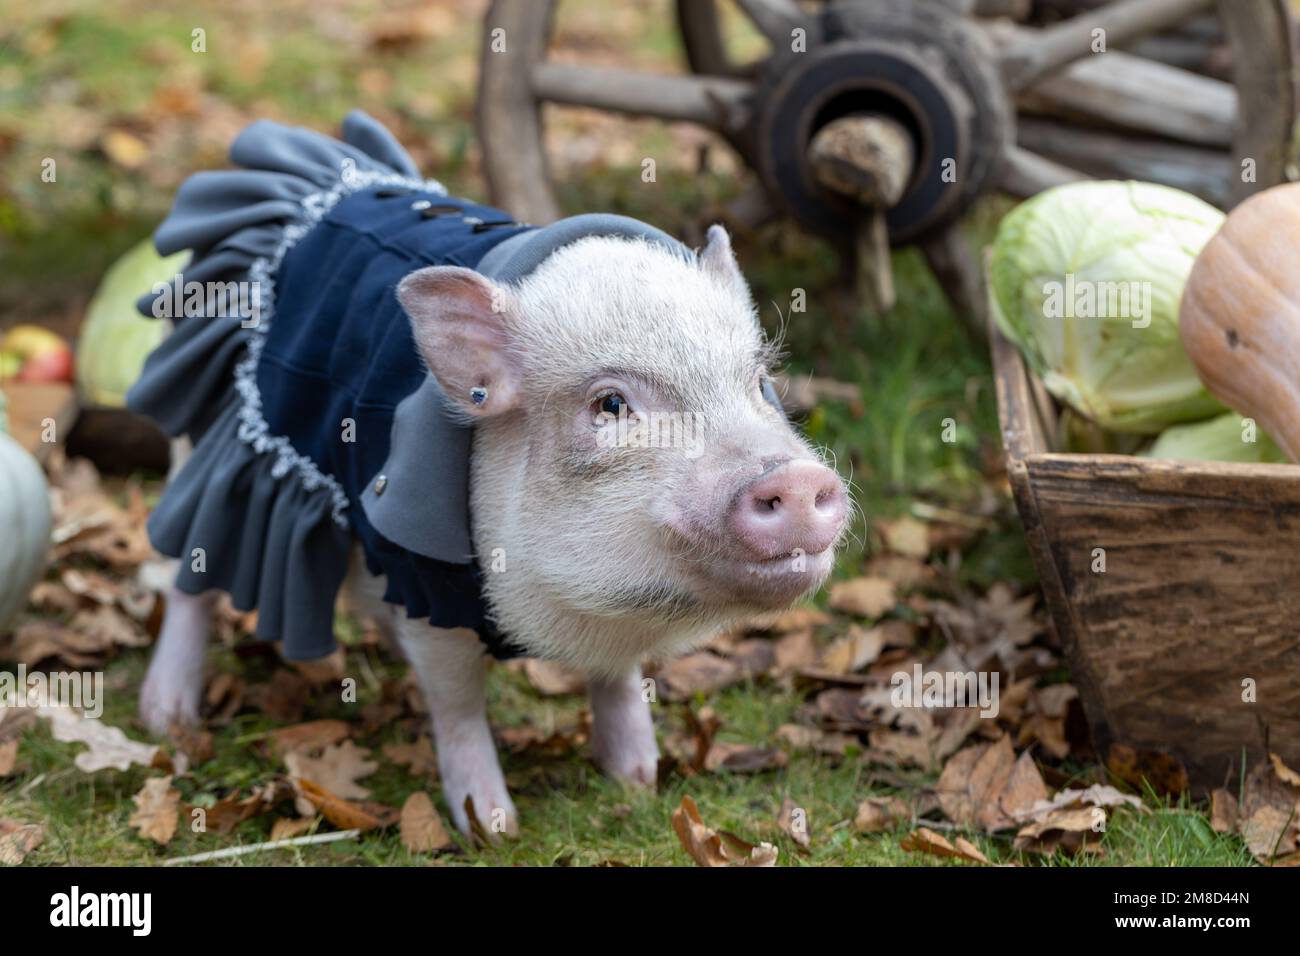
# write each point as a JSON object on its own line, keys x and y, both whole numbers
{"x": 798, "y": 506}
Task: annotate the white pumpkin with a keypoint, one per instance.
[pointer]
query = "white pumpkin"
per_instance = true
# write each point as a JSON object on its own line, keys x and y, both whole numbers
{"x": 25, "y": 524}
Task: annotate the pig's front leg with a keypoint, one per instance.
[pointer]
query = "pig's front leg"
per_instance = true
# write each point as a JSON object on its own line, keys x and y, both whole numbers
{"x": 622, "y": 733}
{"x": 449, "y": 666}
{"x": 169, "y": 696}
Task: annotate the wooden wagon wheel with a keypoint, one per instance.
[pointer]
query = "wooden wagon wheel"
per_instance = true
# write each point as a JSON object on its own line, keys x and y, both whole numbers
{"x": 896, "y": 115}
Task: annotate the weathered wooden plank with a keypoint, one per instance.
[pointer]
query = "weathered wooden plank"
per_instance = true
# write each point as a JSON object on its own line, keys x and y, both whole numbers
{"x": 1200, "y": 592}
{"x": 1143, "y": 95}
{"x": 1195, "y": 169}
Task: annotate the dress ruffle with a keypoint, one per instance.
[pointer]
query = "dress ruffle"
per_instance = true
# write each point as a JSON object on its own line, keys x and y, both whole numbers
{"x": 246, "y": 513}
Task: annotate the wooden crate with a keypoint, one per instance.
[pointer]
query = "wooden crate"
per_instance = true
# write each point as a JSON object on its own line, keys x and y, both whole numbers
{"x": 1201, "y": 588}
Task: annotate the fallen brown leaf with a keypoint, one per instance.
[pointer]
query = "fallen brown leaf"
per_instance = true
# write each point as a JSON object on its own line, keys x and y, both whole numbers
{"x": 865, "y": 597}
{"x": 985, "y": 786}
{"x": 793, "y": 821}
{"x": 1067, "y": 828}
{"x": 551, "y": 679}
{"x": 1223, "y": 811}
{"x": 701, "y": 673}
{"x": 337, "y": 769}
{"x": 109, "y": 746}
{"x": 421, "y": 827}
{"x": 313, "y": 735}
{"x": 347, "y": 814}
{"x": 157, "y": 807}
{"x": 17, "y": 840}
{"x": 798, "y": 619}
{"x": 418, "y": 758}
{"x": 906, "y": 536}
{"x": 743, "y": 758}
{"x": 711, "y": 848}
{"x": 880, "y": 813}
{"x": 925, "y": 840}
{"x": 858, "y": 648}
{"x": 286, "y": 828}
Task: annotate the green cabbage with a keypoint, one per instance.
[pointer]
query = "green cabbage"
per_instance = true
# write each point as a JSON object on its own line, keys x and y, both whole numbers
{"x": 115, "y": 338}
{"x": 1086, "y": 279}
{"x": 1219, "y": 439}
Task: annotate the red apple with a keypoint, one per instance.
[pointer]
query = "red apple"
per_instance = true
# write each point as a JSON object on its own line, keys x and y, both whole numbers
{"x": 45, "y": 356}
{"x": 48, "y": 367}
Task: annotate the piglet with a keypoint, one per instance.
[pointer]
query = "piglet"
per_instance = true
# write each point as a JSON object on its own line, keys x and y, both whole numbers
{"x": 633, "y": 485}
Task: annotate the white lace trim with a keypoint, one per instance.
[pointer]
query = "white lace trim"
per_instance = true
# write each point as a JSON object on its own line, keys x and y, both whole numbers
{"x": 252, "y": 425}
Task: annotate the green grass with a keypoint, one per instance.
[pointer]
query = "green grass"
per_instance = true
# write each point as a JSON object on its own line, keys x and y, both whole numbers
{"x": 570, "y": 814}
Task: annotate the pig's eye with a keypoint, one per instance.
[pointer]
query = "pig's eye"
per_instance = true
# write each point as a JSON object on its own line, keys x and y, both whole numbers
{"x": 611, "y": 403}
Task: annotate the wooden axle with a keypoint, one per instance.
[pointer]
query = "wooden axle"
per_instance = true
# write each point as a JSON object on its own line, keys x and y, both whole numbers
{"x": 867, "y": 158}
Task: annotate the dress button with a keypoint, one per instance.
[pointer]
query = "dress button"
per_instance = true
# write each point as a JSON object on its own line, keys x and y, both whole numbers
{"x": 380, "y": 484}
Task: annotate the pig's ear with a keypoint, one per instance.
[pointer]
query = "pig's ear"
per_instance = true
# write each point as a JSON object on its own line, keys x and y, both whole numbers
{"x": 460, "y": 323}
{"x": 720, "y": 262}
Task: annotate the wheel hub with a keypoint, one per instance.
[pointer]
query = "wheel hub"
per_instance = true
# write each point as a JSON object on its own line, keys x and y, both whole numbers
{"x": 914, "y": 62}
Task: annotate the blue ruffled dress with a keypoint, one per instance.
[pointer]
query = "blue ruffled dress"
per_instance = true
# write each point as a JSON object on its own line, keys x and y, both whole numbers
{"x": 314, "y": 420}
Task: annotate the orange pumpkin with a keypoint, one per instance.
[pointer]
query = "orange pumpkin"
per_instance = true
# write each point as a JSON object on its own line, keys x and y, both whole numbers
{"x": 1240, "y": 313}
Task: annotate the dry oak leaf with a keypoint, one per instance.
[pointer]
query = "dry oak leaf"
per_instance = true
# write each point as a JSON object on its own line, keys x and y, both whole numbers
{"x": 880, "y": 813}
{"x": 794, "y": 652}
{"x": 107, "y": 626}
{"x": 421, "y": 827}
{"x": 286, "y": 828}
{"x": 906, "y": 536}
{"x": 17, "y": 840}
{"x": 418, "y": 758}
{"x": 38, "y": 640}
{"x": 742, "y": 758}
{"x": 1284, "y": 773}
{"x": 701, "y": 672}
{"x": 551, "y": 679}
{"x": 1068, "y": 828}
{"x": 230, "y": 811}
{"x": 711, "y": 848}
{"x": 346, "y": 814}
{"x": 337, "y": 769}
{"x": 793, "y": 821}
{"x": 854, "y": 651}
{"x": 1223, "y": 811}
{"x": 157, "y": 808}
{"x": 865, "y": 597}
{"x": 1098, "y": 795}
{"x": 925, "y": 840}
{"x": 1268, "y": 818}
{"x": 802, "y": 618}
{"x": 109, "y": 746}
{"x": 801, "y": 737}
{"x": 987, "y": 787}
{"x": 312, "y": 735}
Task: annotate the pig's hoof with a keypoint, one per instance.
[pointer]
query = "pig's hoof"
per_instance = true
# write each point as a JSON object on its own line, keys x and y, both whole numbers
{"x": 634, "y": 761}
{"x": 493, "y": 809}
{"x": 165, "y": 704}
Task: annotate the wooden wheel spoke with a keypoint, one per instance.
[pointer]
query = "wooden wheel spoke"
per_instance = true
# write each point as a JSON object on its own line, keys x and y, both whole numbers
{"x": 1042, "y": 52}
{"x": 1144, "y": 95}
{"x": 774, "y": 18}
{"x": 720, "y": 103}
{"x": 1194, "y": 169}
{"x": 1026, "y": 173}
